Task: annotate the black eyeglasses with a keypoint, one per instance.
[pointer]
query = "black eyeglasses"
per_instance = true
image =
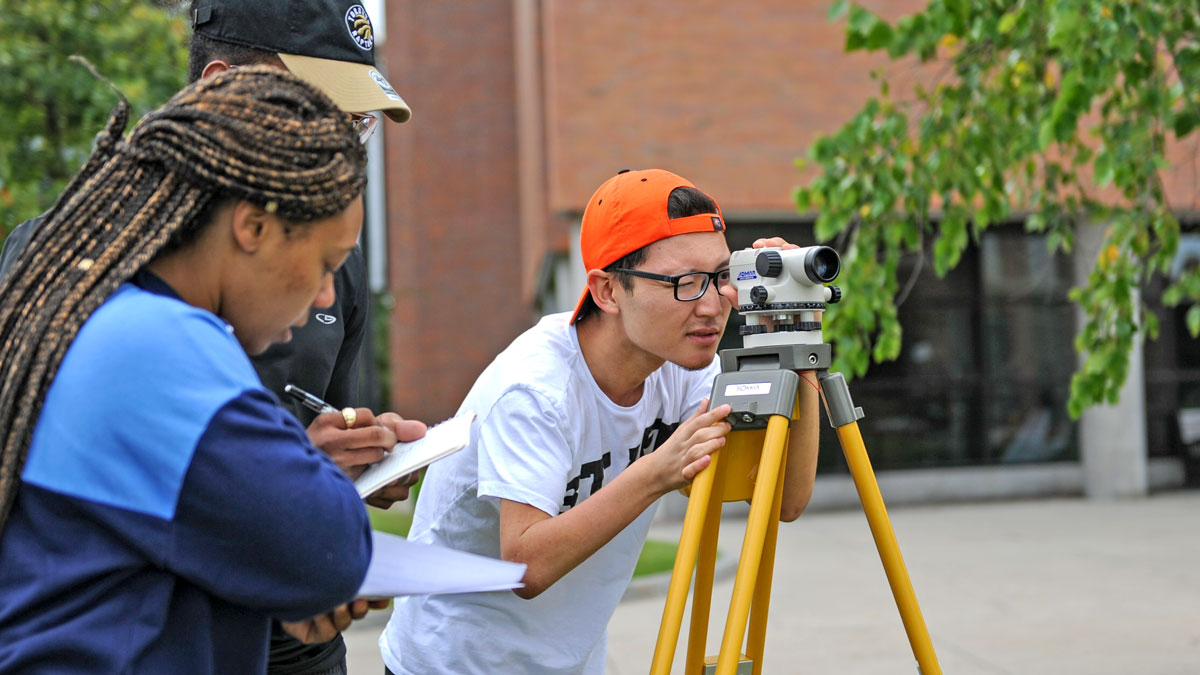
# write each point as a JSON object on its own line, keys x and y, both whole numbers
{"x": 688, "y": 287}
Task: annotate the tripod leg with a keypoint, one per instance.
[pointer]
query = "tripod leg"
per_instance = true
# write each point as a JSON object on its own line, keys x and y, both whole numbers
{"x": 685, "y": 561}
{"x": 889, "y": 549}
{"x": 703, "y": 585}
{"x": 761, "y": 507}
{"x": 757, "y": 638}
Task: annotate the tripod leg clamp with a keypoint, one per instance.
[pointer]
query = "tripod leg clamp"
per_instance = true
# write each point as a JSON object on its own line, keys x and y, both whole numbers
{"x": 839, "y": 407}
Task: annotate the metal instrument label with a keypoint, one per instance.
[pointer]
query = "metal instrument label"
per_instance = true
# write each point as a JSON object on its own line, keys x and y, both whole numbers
{"x": 748, "y": 389}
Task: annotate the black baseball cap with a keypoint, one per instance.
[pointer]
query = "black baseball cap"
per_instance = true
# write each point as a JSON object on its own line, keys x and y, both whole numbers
{"x": 329, "y": 43}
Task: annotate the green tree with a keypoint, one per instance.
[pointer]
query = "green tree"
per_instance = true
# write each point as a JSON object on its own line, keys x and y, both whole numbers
{"x": 1057, "y": 111}
{"x": 52, "y": 108}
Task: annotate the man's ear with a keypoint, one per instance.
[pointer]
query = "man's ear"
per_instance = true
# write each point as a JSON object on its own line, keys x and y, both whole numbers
{"x": 250, "y": 226}
{"x": 214, "y": 67}
{"x": 603, "y": 287}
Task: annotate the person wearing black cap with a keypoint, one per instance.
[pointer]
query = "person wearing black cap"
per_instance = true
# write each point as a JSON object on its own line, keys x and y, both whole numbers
{"x": 329, "y": 44}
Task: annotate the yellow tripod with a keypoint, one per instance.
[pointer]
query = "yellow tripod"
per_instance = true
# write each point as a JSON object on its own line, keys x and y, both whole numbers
{"x": 760, "y": 384}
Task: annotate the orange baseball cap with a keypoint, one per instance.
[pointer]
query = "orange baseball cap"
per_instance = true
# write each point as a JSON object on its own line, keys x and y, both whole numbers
{"x": 629, "y": 211}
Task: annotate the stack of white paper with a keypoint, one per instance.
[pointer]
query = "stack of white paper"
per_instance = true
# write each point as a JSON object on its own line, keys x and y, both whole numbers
{"x": 401, "y": 567}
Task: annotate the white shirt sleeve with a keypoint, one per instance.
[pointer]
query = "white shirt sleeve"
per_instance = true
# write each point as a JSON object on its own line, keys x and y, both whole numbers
{"x": 523, "y": 454}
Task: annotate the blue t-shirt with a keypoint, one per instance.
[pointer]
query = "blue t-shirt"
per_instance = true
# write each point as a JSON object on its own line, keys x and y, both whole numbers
{"x": 168, "y": 507}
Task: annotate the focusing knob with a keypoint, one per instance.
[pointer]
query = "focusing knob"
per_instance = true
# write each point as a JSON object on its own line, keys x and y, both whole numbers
{"x": 758, "y": 295}
{"x": 768, "y": 264}
{"x": 835, "y": 294}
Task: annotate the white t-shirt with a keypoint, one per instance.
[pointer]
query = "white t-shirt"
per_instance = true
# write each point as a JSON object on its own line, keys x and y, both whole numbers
{"x": 547, "y": 436}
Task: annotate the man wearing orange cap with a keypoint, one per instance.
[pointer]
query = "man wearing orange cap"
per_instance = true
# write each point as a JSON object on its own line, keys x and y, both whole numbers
{"x": 583, "y": 423}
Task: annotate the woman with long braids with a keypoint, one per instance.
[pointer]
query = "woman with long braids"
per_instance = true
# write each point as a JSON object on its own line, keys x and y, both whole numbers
{"x": 157, "y": 506}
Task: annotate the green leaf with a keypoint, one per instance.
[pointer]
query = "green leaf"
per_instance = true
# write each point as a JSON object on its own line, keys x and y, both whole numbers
{"x": 1193, "y": 320}
{"x": 1187, "y": 58}
{"x": 1007, "y": 22}
{"x": 863, "y": 29}
{"x": 1104, "y": 169}
{"x": 837, "y": 10}
{"x": 1172, "y": 296}
{"x": 1045, "y": 135}
{"x": 879, "y": 36}
{"x": 1064, "y": 25}
{"x": 1150, "y": 322}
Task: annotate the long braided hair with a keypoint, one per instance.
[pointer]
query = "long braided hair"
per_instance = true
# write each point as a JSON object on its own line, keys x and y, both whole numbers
{"x": 256, "y": 134}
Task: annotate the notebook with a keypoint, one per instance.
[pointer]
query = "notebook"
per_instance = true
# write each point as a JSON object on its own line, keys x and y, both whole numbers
{"x": 441, "y": 440}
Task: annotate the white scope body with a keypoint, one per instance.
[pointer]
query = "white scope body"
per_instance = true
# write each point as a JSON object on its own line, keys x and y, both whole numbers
{"x": 781, "y": 290}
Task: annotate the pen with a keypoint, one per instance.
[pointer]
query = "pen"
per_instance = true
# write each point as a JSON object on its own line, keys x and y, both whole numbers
{"x": 308, "y": 400}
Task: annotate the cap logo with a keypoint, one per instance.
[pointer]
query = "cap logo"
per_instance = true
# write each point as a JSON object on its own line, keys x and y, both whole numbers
{"x": 359, "y": 25}
{"x": 717, "y": 224}
{"x": 383, "y": 84}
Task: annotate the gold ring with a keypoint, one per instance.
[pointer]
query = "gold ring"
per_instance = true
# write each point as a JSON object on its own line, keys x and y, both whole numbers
{"x": 349, "y": 416}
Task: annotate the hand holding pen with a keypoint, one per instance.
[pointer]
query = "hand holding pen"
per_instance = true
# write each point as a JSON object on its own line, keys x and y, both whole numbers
{"x": 318, "y": 405}
{"x": 350, "y": 437}
{"x": 353, "y": 449}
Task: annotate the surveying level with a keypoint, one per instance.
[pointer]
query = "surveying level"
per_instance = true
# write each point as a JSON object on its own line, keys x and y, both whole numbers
{"x": 779, "y": 292}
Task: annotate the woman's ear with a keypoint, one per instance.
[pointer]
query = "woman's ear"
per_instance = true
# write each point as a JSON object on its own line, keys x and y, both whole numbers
{"x": 250, "y": 224}
{"x": 603, "y": 288}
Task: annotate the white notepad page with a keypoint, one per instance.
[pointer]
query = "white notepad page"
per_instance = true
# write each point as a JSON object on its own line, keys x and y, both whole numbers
{"x": 401, "y": 567}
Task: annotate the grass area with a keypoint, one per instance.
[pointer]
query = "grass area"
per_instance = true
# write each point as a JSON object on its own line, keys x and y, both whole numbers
{"x": 657, "y": 556}
{"x": 392, "y": 521}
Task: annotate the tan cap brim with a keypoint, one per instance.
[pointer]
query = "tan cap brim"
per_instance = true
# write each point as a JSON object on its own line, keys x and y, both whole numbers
{"x": 354, "y": 87}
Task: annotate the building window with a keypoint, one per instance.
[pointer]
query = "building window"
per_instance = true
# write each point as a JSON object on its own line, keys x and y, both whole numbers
{"x": 1172, "y": 365}
{"x": 985, "y": 367}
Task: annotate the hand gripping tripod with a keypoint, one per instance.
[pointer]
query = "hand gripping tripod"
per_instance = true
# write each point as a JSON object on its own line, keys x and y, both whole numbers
{"x": 779, "y": 292}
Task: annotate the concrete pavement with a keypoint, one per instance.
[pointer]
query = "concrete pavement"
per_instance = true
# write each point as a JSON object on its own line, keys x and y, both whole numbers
{"x": 1007, "y": 588}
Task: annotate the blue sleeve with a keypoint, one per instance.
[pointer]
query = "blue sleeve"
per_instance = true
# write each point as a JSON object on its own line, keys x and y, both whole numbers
{"x": 265, "y": 520}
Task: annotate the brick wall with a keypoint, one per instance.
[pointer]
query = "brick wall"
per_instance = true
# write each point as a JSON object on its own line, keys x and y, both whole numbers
{"x": 452, "y": 200}
{"x": 728, "y": 94}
